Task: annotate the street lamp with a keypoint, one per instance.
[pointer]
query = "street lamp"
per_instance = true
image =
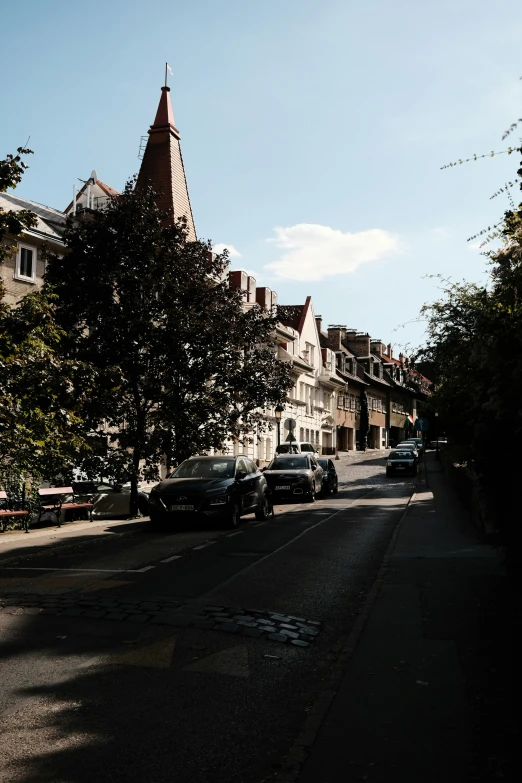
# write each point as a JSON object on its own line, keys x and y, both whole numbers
{"x": 278, "y": 411}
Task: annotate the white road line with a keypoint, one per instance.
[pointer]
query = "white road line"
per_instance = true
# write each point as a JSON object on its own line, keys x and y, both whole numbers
{"x": 201, "y": 546}
{"x": 141, "y": 570}
{"x": 74, "y": 570}
{"x": 237, "y": 533}
{"x": 170, "y": 559}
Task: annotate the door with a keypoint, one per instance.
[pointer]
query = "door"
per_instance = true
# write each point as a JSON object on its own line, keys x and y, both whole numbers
{"x": 245, "y": 485}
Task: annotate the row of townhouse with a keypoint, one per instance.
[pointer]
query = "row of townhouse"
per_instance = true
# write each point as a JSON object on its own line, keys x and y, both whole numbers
{"x": 334, "y": 370}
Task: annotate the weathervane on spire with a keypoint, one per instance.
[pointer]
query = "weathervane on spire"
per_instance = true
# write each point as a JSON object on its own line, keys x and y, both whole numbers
{"x": 168, "y": 70}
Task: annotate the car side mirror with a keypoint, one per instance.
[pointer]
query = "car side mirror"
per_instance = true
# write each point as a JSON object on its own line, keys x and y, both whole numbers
{"x": 263, "y": 469}
{"x": 241, "y": 474}
{"x": 314, "y": 467}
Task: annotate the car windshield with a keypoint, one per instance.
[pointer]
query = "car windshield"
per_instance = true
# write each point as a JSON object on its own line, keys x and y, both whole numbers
{"x": 289, "y": 463}
{"x": 323, "y": 463}
{"x": 400, "y": 454}
{"x": 410, "y": 446}
{"x": 205, "y": 468}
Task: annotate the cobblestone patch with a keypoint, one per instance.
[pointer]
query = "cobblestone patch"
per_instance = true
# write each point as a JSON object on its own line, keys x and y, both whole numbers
{"x": 253, "y": 623}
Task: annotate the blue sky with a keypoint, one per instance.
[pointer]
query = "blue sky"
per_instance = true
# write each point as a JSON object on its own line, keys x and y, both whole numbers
{"x": 312, "y": 133}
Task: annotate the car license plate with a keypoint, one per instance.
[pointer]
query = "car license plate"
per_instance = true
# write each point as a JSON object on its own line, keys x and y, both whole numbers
{"x": 182, "y": 508}
{"x": 401, "y": 467}
{"x": 283, "y": 486}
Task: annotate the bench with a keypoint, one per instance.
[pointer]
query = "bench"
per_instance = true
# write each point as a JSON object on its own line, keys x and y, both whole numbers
{"x": 55, "y": 503}
{"x": 6, "y": 513}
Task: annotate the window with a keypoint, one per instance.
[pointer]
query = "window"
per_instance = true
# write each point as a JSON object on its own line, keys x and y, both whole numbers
{"x": 26, "y": 263}
{"x": 340, "y": 400}
{"x": 301, "y": 433}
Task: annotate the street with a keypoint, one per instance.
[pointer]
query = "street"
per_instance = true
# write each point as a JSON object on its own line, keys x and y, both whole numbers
{"x": 194, "y": 655}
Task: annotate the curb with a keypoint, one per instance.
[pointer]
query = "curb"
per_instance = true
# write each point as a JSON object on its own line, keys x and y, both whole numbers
{"x": 302, "y": 745}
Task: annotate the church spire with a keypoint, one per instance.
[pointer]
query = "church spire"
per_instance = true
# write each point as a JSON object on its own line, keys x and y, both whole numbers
{"x": 162, "y": 166}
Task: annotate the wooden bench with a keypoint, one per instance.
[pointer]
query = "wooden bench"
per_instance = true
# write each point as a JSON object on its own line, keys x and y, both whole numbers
{"x": 6, "y": 513}
{"x": 57, "y": 504}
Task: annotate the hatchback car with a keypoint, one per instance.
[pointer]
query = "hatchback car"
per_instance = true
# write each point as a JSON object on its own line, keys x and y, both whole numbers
{"x": 408, "y": 446}
{"x": 295, "y": 447}
{"x": 401, "y": 461}
{"x": 215, "y": 488}
{"x": 419, "y": 443}
{"x": 330, "y": 480}
{"x": 298, "y": 476}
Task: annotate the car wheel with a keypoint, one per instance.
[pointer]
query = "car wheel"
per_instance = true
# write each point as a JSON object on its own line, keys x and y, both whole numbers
{"x": 311, "y": 495}
{"x": 336, "y": 488}
{"x": 143, "y": 507}
{"x": 388, "y": 474}
{"x": 326, "y": 490}
{"x": 235, "y": 515}
{"x": 263, "y": 509}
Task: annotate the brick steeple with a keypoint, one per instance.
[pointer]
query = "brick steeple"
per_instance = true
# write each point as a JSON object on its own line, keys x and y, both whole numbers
{"x": 162, "y": 166}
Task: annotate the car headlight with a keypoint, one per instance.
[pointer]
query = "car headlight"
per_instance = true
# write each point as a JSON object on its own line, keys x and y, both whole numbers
{"x": 220, "y": 500}
{"x": 389, "y": 464}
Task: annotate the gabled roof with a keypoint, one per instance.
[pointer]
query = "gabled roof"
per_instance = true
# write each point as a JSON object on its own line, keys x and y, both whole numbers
{"x": 294, "y": 315}
{"x": 107, "y": 189}
{"x": 50, "y": 221}
{"x": 162, "y": 166}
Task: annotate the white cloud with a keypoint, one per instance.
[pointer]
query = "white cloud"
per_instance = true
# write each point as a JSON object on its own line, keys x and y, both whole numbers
{"x": 440, "y": 233}
{"x": 313, "y": 252}
{"x": 232, "y": 252}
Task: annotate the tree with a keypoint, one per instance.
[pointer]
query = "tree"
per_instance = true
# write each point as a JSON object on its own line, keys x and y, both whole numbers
{"x": 190, "y": 365}
{"x": 43, "y": 398}
{"x": 474, "y": 351}
{"x": 13, "y": 222}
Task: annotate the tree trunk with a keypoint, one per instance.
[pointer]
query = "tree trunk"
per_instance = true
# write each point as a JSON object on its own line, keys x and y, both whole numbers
{"x": 136, "y": 458}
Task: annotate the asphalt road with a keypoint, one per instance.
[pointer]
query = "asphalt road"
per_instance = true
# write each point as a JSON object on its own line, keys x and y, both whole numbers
{"x": 142, "y": 656}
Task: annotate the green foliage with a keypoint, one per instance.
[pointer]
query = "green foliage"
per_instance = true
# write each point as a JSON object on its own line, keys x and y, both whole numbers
{"x": 42, "y": 396}
{"x": 474, "y": 351}
{"x": 13, "y": 222}
{"x": 184, "y": 364}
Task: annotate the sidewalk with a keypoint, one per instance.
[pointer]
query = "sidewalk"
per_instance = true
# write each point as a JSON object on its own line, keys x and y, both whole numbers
{"x": 425, "y": 696}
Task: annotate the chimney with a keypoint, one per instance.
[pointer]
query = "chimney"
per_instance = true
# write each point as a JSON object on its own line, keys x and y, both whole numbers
{"x": 239, "y": 279}
{"x": 401, "y": 359}
{"x": 264, "y": 298}
{"x": 336, "y": 335}
{"x": 389, "y": 350}
{"x": 358, "y": 342}
{"x": 377, "y": 346}
{"x": 319, "y": 322}
{"x": 251, "y": 285}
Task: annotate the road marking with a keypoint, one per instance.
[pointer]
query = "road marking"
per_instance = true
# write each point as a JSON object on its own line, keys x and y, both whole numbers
{"x": 74, "y": 570}
{"x": 203, "y": 546}
{"x": 142, "y": 570}
{"x": 283, "y": 546}
{"x": 157, "y": 655}
{"x": 170, "y": 559}
{"x": 233, "y": 662}
{"x": 237, "y": 533}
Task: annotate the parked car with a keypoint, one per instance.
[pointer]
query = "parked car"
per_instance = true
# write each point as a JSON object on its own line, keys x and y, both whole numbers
{"x": 441, "y": 441}
{"x": 295, "y": 447}
{"x": 419, "y": 443}
{"x": 330, "y": 480}
{"x": 407, "y": 445}
{"x": 296, "y": 476}
{"x": 401, "y": 461}
{"x": 213, "y": 488}
{"x": 111, "y": 501}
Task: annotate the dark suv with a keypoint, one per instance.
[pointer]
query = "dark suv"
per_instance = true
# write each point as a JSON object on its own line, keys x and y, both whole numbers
{"x": 211, "y": 487}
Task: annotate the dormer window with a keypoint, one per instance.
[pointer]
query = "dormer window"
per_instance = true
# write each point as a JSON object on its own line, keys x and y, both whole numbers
{"x": 26, "y": 263}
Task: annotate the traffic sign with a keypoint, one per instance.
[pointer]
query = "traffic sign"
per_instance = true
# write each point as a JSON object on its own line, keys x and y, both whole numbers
{"x": 421, "y": 425}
